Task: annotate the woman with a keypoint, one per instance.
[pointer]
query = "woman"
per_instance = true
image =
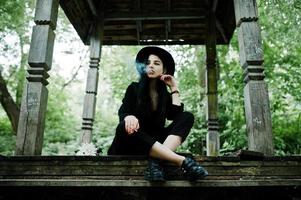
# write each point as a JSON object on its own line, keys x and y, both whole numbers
{"x": 144, "y": 110}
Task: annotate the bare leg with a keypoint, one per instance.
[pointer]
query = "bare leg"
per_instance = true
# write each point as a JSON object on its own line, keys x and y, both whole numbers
{"x": 164, "y": 153}
{"x": 172, "y": 142}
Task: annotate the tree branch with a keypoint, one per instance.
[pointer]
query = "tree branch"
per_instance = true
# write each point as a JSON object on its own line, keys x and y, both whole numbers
{"x": 11, "y": 108}
{"x": 76, "y": 72}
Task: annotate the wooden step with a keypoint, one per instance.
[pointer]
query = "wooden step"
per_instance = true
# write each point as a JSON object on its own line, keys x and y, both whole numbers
{"x": 128, "y": 171}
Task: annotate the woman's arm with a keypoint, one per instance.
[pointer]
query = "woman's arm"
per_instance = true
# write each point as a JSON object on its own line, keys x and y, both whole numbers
{"x": 170, "y": 81}
{"x": 128, "y": 101}
{"x": 127, "y": 110}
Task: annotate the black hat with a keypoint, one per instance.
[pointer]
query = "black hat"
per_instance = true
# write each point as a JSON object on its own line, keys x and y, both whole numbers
{"x": 168, "y": 61}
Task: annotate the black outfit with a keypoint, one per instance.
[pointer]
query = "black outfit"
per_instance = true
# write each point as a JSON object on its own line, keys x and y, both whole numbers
{"x": 151, "y": 125}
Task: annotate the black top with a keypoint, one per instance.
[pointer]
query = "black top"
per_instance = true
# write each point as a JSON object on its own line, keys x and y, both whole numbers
{"x": 151, "y": 122}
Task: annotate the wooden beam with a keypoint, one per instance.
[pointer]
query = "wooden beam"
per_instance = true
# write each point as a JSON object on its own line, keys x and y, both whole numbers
{"x": 214, "y": 5}
{"x": 35, "y": 94}
{"x": 219, "y": 26}
{"x": 138, "y": 22}
{"x": 256, "y": 98}
{"x": 245, "y": 12}
{"x": 46, "y": 13}
{"x": 142, "y": 183}
{"x": 88, "y": 116}
{"x": 152, "y": 16}
{"x": 128, "y": 171}
{"x": 167, "y": 22}
{"x": 221, "y": 29}
{"x": 41, "y": 47}
{"x": 93, "y": 9}
{"x": 213, "y": 144}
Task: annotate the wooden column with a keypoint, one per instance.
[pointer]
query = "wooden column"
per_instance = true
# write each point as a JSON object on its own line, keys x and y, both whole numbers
{"x": 213, "y": 144}
{"x": 35, "y": 94}
{"x": 92, "y": 83}
{"x": 256, "y": 97}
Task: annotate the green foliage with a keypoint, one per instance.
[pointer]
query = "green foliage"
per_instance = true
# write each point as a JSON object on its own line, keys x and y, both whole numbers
{"x": 119, "y": 70}
{"x": 7, "y": 138}
{"x": 287, "y": 129}
{"x": 231, "y": 104}
{"x": 189, "y": 76}
{"x": 61, "y": 127}
{"x": 104, "y": 130}
{"x": 281, "y": 42}
{"x": 11, "y": 14}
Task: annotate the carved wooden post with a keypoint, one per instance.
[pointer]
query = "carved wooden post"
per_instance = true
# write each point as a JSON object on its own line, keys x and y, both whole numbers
{"x": 35, "y": 94}
{"x": 213, "y": 144}
{"x": 92, "y": 83}
{"x": 255, "y": 92}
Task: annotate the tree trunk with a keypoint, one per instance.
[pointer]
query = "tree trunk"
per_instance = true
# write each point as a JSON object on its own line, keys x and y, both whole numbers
{"x": 9, "y": 105}
{"x": 21, "y": 73}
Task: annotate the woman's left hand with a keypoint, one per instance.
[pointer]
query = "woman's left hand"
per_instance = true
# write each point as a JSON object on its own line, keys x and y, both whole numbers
{"x": 169, "y": 80}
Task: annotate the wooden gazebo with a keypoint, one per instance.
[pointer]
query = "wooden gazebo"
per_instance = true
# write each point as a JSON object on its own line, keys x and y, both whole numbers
{"x": 156, "y": 22}
{"x": 141, "y": 22}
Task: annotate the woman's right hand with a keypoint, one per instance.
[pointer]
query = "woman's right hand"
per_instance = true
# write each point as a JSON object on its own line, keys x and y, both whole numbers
{"x": 131, "y": 124}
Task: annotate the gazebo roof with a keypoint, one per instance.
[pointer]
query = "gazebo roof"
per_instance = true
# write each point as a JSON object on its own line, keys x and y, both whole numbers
{"x": 156, "y": 22}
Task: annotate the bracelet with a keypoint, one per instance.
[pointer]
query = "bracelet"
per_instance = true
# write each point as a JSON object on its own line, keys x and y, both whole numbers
{"x": 173, "y": 92}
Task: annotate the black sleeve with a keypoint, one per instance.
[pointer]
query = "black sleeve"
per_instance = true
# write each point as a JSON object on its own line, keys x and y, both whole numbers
{"x": 173, "y": 110}
{"x": 128, "y": 102}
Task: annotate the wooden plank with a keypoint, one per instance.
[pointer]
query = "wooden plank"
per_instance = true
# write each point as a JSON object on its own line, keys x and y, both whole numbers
{"x": 41, "y": 47}
{"x": 168, "y": 177}
{"x": 144, "y": 162}
{"x": 76, "y": 11}
{"x": 166, "y": 15}
{"x": 245, "y": 10}
{"x": 143, "y": 183}
{"x": 32, "y": 119}
{"x": 134, "y": 158}
{"x": 153, "y": 32}
{"x": 138, "y": 170}
{"x": 254, "y": 171}
{"x": 250, "y": 155}
{"x": 258, "y": 117}
{"x": 118, "y": 163}
{"x": 46, "y": 12}
{"x": 113, "y": 27}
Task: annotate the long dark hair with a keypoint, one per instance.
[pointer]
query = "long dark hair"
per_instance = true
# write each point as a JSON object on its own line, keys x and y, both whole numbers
{"x": 144, "y": 99}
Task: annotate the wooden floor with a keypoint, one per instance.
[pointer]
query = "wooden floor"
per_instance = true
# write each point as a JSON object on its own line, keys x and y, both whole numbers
{"x": 117, "y": 177}
{"x": 115, "y": 171}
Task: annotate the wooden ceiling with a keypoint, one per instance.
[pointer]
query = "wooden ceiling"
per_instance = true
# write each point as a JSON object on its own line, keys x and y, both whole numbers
{"x": 150, "y": 22}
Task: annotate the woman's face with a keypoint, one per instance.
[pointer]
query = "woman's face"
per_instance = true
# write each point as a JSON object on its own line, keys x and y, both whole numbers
{"x": 154, "y": 66}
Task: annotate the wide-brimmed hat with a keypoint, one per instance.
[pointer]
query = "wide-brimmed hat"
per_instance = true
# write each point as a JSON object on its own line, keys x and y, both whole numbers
{"x": 165, "y": 56}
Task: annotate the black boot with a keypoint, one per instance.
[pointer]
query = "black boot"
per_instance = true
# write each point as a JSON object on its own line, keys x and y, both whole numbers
{"x": 193, "y": 170}
{"x": 154, "y": 172}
